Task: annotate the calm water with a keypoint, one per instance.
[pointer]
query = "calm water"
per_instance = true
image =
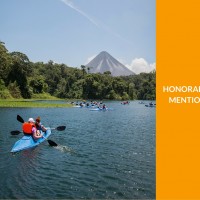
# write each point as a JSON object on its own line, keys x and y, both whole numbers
{"x": 100, "y": 155}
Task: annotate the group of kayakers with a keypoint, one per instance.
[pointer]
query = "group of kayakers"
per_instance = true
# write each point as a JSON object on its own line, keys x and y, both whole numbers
{"x": 151, "y": 104}
{"x": 33, "y": 127}
{"x": 90, "y": 104}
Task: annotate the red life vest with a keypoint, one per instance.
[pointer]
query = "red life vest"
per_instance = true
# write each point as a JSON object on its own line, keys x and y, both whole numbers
{"x": 27, "y": 128}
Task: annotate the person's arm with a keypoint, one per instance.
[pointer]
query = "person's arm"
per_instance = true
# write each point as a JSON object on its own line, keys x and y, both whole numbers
{"x": 43, "y": 128}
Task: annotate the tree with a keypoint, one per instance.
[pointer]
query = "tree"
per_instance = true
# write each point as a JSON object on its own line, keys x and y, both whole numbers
{"x": 37, "y": 84}
{"x": 125, "y": 96}
{"x": 4, "y": 92}
{"x": 88, "y": 69}
{"x": 83, "y": 67}
{"x": 61, "y": 88}
{"x": 20, "y": 70}
{"x": 14, "y": 90}
{"x": 120, "y": 86}
{"x": 5, "y": 62}
{"x": 19, "y": 76}
{"x": 107, "y": 73}
{"x": 132, "y": 91}
{"x": 112, "y": 95}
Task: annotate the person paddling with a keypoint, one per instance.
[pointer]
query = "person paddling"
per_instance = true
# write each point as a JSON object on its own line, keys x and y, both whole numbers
{"x": 39, "y": 125}
{"x": 29, "y": 128}
{"x": 104, "y": 107}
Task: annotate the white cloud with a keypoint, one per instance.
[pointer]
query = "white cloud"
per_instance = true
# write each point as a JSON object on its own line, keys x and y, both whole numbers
{"x": 139, "y": 65}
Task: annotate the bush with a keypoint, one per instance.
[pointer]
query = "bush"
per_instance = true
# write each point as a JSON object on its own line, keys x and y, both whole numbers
{"x": 43, "y": 96}
{"x": 5, "y": 94}
{"x": 14, "y": 90}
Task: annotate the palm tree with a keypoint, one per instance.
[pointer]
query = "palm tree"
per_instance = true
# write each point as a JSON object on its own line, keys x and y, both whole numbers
{"x": 88, "y": 69}
{"x": 83, "y": 69}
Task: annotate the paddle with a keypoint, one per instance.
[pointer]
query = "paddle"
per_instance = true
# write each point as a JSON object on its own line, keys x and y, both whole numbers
{"x": 19, "y": 118}
{"x": 59, "y": 128}
{"x": 52, "y": 143}
{"x": 15, "y": 132}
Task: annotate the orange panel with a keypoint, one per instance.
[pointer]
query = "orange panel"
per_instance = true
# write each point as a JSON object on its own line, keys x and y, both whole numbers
{"x": 177, "y": 124}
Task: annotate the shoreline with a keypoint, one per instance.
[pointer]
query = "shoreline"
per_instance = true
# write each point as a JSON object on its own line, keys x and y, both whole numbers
{"x": 33, "y": 103}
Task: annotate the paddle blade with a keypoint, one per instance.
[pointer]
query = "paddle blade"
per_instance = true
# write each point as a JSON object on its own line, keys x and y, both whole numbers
{"x": 15, "y": 132}
{"x": 52, "y": 143}
{"x": 19, "y": 118}
{"x": 61, "y": 128}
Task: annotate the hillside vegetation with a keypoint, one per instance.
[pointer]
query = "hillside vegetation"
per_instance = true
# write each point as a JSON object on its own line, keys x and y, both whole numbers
{"x": 21, "y": 78}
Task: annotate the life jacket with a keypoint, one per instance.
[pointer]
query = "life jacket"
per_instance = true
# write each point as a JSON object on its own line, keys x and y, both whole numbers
{"x": 27, "y": 128}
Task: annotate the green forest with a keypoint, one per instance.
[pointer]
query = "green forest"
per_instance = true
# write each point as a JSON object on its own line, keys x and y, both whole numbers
{"x": 21, "y": 78}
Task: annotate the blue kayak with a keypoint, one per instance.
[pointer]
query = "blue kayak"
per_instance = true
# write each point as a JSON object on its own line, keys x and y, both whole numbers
{"x": 99, "y": 109}
{"x": 27, "y": 142}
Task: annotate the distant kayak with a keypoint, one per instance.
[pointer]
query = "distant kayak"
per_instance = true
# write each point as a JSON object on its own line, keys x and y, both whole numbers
{"x": 100, "y": 109}
{"x": 150, "y": 105}
{"x": 141, "y": 102}
{"x": 77, "y": 106}
{"x": 27, "y": 142}
{"x": 125, "y": 103}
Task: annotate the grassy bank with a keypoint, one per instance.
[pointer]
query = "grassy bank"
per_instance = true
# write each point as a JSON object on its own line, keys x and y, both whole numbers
{"x": 33, "y": 103}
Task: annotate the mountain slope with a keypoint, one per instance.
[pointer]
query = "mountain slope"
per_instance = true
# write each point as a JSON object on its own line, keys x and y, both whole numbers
{"x": 105, "y": 62}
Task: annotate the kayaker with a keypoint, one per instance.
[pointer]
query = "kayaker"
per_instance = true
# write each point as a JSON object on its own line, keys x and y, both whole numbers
{"x": 29, "y": 128}
{"x": 38, "y": 125}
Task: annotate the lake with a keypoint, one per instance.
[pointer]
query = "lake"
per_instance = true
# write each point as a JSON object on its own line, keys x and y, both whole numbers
{"x": 101, "y": 154}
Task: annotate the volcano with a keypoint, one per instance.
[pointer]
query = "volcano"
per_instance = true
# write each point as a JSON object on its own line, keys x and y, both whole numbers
{"x": 105, "y": 62}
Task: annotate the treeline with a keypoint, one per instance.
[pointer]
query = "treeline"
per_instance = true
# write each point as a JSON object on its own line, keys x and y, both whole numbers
{"x": 20, "y": 78}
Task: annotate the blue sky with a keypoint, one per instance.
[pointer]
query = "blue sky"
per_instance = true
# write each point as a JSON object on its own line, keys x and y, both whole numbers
{"x": 75, "y": 31}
